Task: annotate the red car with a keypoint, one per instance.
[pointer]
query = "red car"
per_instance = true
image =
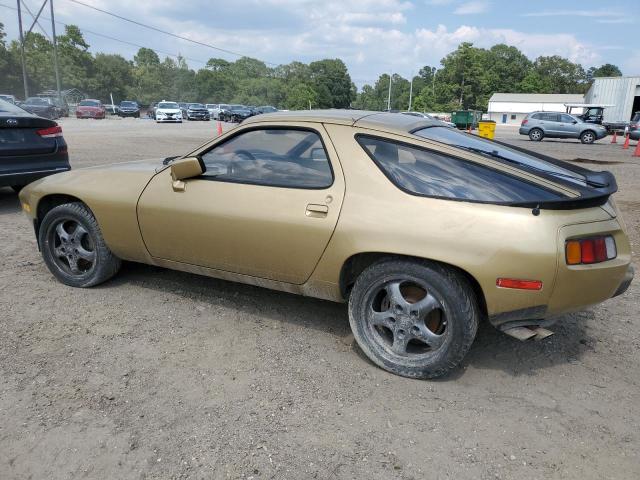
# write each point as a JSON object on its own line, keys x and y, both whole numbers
{"x": 90, "y": 108}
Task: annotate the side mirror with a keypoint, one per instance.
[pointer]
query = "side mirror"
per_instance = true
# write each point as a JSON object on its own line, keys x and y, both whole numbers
{"x": 183, "y": 170}
{"x": 574, "y": 122}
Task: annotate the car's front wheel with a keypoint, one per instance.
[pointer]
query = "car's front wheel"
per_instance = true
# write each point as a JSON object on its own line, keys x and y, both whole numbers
{"x": 588, "y": 137}
{"x": 413, "y": 318}
{"x": 73, "y": 247}
{"x": 535, "y": 135}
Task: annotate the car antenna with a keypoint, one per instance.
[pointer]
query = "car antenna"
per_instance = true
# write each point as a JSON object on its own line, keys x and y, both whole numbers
{"x": 536, "y": 210}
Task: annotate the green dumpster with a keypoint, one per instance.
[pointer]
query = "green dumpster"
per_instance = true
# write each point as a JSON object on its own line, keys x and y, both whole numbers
{"x": 465, "y": 119}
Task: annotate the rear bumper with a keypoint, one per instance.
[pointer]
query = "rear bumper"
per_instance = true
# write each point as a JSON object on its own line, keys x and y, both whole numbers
{"x": 626, "y": 282}
{"x": 573, "y": 287}
{"x": 26, "y": 169}
{"x": 524, "y": 131}
{"x": 90, "y": 114}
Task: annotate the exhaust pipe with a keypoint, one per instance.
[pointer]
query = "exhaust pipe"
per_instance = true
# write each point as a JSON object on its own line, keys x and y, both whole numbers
{"x": 526, "y": 333}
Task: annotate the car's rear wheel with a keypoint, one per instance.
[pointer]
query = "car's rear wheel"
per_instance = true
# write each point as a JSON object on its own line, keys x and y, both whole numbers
{"x": 588, "y": 137}
{"x": 73, "y": 247}
{"x": 413, "y": 318}
{"x": 535, "y": 134}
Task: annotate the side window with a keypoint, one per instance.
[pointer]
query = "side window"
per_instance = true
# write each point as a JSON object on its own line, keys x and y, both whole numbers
{"x": 432, "y": 174}
{"x": 567, "y": 118}
{"x": 551, "y": 117}
{"x": 538, "y": 116}
{"x": 272, "y": 157}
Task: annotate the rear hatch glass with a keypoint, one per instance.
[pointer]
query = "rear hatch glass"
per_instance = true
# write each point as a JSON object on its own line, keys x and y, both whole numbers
{"x": 591, "y": 185}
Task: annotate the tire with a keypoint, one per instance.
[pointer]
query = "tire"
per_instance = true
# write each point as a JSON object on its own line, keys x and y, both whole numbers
{"x": 416, "y": 319}
{"x": 536, "y": 134}
{"x": 588, "y": 137}
{"x": 73, "y": 247}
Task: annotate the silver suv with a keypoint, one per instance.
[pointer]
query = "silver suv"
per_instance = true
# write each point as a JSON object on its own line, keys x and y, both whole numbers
{"x": 560, "y": 125}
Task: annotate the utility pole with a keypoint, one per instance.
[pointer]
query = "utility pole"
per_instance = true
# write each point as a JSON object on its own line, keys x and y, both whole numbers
{"x": 389, "y": 95}
{"x": 24, "y": 66}
{"x": 410, "y": 91}
{"x": 55, "y": 51}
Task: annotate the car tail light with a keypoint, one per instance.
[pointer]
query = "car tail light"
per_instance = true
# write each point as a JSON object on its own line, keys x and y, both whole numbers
{"x": 524, "y": 122}
{"x": 585, "y": 251}
{"x": 50, "y": 132}
{"x": 519, "y": 284}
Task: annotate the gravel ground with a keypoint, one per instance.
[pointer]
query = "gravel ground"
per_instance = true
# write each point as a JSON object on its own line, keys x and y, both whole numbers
{"x": 161, "y": 374}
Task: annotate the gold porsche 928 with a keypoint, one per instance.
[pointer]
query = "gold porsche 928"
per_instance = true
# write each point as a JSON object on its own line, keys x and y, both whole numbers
{"x": 422, "y": 229}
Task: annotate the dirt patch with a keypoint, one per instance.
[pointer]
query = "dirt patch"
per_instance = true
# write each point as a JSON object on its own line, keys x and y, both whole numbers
{"x": 160, "y": 374}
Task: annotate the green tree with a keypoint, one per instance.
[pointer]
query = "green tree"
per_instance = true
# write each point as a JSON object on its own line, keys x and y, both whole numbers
{"x": 560, "y": 75}
{"x": 606, "y": 70}
{"x": 300, "y": 97}
{"x": 332, "y": 83}
{"x": 112, "y": 74}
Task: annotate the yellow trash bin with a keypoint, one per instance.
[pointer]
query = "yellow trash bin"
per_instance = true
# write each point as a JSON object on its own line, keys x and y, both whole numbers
{"x": 487, "y": 129}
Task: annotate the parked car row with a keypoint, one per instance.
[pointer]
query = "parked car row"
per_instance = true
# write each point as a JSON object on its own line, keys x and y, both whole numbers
{"x": 211, "y": 111}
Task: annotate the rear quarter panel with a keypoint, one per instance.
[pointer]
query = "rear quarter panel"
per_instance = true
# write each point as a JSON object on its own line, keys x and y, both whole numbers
{"x": 486, "y": 241}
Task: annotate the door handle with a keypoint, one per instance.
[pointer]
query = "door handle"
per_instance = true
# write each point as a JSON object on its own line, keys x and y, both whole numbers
{"x": 316, "y": 211}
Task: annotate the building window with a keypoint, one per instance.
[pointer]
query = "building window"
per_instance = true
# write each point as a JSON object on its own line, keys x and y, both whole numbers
{"x": 513, "y": 116}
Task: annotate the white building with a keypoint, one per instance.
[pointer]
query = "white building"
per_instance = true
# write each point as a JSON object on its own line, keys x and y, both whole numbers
{"x": 622, "y": 93}
{"x": 511, "y": 108}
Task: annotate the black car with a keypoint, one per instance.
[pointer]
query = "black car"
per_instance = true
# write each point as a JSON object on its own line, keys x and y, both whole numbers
{"x": 634, "y": 127}
{"x": 43, "y": 107}
{"x": 128, "y": 108}
{"x": 197, "y": 111}
{"x": 31, "y": 147}
{"x": 266, "y": 109}
{"x": 60, "y": 104}
{"x": 235, "y": 113}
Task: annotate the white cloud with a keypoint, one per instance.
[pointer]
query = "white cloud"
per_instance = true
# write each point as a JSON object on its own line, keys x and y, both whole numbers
{"x": 371, "y": 36}
{"x": 472, "y": 8}
{"x": 574, "y": 13}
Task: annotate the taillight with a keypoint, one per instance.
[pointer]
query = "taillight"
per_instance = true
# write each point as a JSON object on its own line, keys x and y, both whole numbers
{"x": 524, "y": 122}
{"x": 585, "y": 251}
{"x": 50, "y": 132}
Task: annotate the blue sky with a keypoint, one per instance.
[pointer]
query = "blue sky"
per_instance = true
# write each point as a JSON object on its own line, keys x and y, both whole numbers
{"x": 371, "y": 36}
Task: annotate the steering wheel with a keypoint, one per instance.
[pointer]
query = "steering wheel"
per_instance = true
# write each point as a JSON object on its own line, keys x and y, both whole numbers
{"x": 245, "y": 155}
{"x": 240, "y": 155}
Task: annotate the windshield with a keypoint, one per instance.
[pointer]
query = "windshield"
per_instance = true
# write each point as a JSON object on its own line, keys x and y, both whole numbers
{"x": 237, "y": 107}
{"x": 128, "y": 104}
{"x": 168, "y": 105}
{"x": 465, "y": 141}
{"x": 636, "y": 117}
{"x": 196, "y": 105}
{"x": 89, "y": 103}
{"x": 211, "y": 105}
{"x": 36, "y": 101}
{"x": 268, "y": 109}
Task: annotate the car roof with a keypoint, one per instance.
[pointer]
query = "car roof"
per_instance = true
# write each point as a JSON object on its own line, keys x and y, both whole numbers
{"x": 360, "y": 118}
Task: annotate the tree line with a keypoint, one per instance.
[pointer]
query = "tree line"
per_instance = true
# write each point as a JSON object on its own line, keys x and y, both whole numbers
{"x": 465, "y": 78}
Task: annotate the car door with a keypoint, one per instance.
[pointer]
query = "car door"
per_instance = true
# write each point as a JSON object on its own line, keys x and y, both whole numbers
{"x": 550, "y": 123}
{"x": 569, "y": 126}
{"x": 266, "y": 206}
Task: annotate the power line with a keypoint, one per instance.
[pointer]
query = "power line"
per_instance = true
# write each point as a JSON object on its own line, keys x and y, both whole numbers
{"x": 231, "y": 52}
{"x": 84, "y": 30}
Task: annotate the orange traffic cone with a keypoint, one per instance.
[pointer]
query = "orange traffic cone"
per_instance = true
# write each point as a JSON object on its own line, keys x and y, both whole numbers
{"x": 219, "y": 128}
{"x": 615, "y": 137}
{"x": 636, "y": 152}
{"x": 625, "y": 145}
